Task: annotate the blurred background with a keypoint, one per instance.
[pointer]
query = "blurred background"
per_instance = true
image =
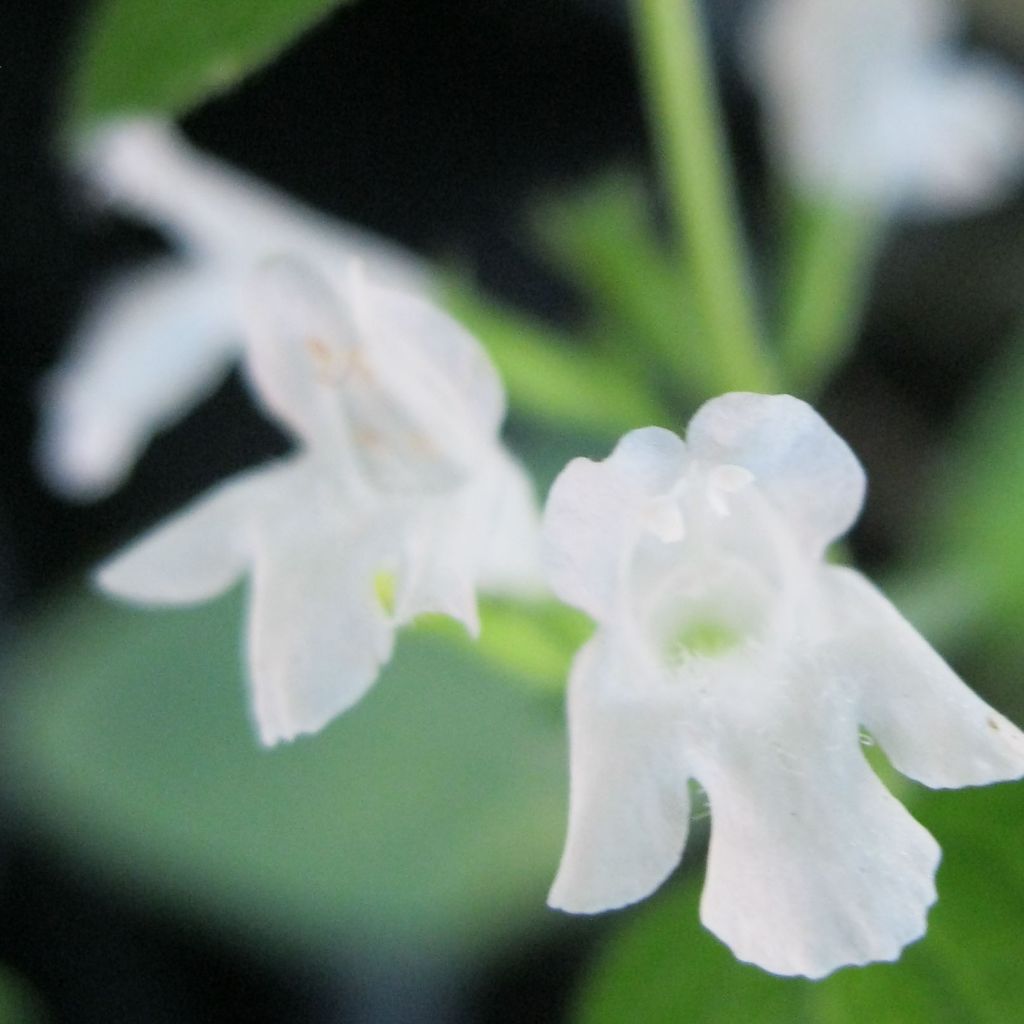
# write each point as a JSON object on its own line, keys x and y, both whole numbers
{"x": 154, "y": 864}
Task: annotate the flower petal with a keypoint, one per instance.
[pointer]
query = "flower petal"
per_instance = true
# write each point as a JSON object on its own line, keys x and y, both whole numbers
{"x": 300, "y": 346}
{"x": 201, "y": 551}
{"x": 425, "y": 403}
{"x": 868, "y": 103}
{"x": 402, "y": 379}
{"x": 930, "y": 724}
{"x": 969, "y": 123}
{"x": 317, "y": 633}
{"x": 510, "y": 562}
{"x": 451, "y": 382}
{"x": 628, "y": 809}
{"x": 484, "y": 535}
{"x": 597, "y": 511}
{"x": 813, "y": 864}
{"x": 440, "y": 547}
{"x": 155, "y": 344}
{"x": 799, "y": 463}
{"x": 146, "y": 167}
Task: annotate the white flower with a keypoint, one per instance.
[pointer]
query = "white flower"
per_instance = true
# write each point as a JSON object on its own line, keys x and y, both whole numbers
{"x": 162, "y": 338}
{"x": 868, "y": 102}
{"x": 729, "y": 652}
{"x": 400, "y": 477}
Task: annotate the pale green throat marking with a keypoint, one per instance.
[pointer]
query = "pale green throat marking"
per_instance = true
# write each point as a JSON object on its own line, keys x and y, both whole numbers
{"x": 705, "y": 637}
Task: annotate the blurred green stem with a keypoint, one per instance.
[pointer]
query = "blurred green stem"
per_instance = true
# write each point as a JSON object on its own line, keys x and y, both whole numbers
{"x": 830, "y": 253}
{"x": 686, "y": 121}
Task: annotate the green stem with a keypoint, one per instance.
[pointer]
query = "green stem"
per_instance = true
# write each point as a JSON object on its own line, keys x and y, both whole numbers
{"x": 831, "y": 250}
{"x": 686, "y": 121}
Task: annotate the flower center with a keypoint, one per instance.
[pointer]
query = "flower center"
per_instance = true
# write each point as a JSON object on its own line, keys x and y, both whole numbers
{"x": 704, "y": 636}
{"x": 710, "y": 612}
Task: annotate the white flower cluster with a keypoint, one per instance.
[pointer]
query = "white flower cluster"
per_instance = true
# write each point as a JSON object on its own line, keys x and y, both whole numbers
{"x": 869, "y": 102}
{"x": 726, "y": 650}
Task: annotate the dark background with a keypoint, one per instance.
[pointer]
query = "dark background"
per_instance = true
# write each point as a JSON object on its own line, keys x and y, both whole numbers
{"x": 435, "y": 124}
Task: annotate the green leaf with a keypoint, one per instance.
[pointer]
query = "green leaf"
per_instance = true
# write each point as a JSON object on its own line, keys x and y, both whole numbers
{"x": 965, "y": 576}
{"x": 148, "y": 56}
{"x": 828, "y": 258}
{"x": 549, "y": 375}
{"x": 431, "y": 812}
{"x": 537, "y": 640}
{"x": 664, "y": 967}
{"x": 603, "y": 239}
{"x": 967, "y": 968}
{"x": 19, "y": 1004}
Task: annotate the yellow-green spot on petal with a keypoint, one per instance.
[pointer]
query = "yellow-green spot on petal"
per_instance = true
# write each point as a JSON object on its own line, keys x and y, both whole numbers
{"x": 384, "y": 589}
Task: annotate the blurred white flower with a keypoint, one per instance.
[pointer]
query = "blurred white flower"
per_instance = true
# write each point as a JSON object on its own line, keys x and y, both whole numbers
{"x": 400, "y": 499}
{"x": 869, "y": 102}
{"x": 728, "y": 651}
{"x": 160, "y": 339}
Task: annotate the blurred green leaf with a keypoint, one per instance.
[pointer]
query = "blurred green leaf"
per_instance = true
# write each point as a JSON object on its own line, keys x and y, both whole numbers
{"x": 432, "y": 811}
{"x": 1001, "y": 20}
{"x": 967, "y": 968}
{"x": 148, "y": 56}
{"x": 664, "y": 967}
{"x": 827, "y": 263}
{"x": 965, "y": 575}
{"x": 537, "y": 640}
{"x": 18, "y": 1003}
{"x": 602, "y": 238}
{"x": 548, "y": 375}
